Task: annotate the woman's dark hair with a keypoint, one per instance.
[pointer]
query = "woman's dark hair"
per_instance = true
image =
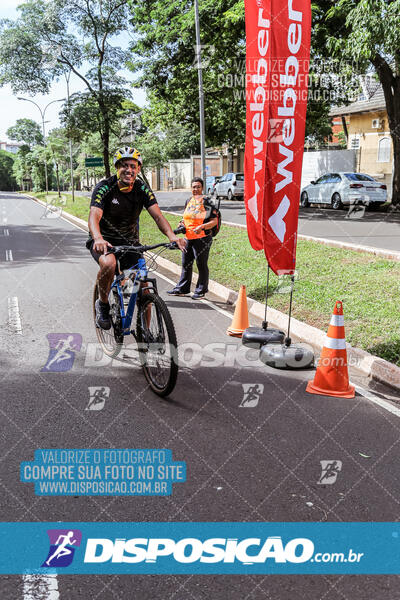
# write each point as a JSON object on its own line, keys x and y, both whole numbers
{"x": 197, "y": 180}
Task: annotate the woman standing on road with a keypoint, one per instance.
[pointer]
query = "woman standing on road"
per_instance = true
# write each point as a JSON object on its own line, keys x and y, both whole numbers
{"x": 199, "y": 217}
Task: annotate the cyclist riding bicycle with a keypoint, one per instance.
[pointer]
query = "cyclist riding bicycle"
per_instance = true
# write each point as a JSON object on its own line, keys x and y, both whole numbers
{"x": 114, "y": 221}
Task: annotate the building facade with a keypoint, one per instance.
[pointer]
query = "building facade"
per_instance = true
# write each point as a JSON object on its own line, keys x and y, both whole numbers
{"x": 10, "y": 146}
{"x": 368, "y": 133}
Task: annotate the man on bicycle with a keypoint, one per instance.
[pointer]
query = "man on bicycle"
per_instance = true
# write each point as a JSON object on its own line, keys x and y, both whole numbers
{"x": 114, "y": 221}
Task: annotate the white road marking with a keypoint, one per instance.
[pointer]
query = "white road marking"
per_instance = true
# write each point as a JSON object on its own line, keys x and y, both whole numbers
{"x": 9, "y": 255}
{"x": 6, "y": 232}
{"x": 40, "y": 587}
{"x": 382, "y": 403}
{"x": 368, "y": 395}
{"x": 14, "y": 317}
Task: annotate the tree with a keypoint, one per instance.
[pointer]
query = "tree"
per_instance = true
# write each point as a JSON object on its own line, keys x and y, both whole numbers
{"x": 26, "y": 131}
{"x": 83, "y": 115}
{"x": 159, "y": 143}
{"x": 370, "y": 36}
{"x": 7, "y": 180}
{"x": 21, "y": 166}
{"x": 54, "y": 37}
{"x": 29, "y": 165}
{"x": 36, "y": 164}
{"x": 165, "y": 59}
{"x": 58, "y": 153}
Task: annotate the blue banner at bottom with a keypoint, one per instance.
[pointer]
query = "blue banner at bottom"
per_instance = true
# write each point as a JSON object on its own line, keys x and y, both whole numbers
{"x": 200, "y": 548}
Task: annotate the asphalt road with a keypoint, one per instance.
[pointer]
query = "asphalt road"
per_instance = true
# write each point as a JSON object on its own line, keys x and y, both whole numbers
{"x": 370, "y": 228}
{"x": 259, "y": 463}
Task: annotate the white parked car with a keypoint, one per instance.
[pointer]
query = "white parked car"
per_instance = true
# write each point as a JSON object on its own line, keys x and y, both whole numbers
{"x": 338, "y": 189}
{"x": 230, "y": 185}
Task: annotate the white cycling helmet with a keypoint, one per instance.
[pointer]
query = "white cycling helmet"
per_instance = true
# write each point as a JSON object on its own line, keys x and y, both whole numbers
{"x": 127, "y": 152}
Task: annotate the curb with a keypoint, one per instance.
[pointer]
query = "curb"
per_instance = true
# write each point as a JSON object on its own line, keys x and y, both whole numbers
{"x": 372, "y": 366}
{"x": 380, "y": 252}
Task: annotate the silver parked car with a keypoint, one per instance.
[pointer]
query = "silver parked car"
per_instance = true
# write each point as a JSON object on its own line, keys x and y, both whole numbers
{"x": 211, "y": 182}
{"x": 338, "y": 189}
{"x": 230, "y": 185}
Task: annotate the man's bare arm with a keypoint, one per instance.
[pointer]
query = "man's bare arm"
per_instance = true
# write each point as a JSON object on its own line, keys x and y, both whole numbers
{"x": 100, "y": 244}
{"x": 165, "y": 227}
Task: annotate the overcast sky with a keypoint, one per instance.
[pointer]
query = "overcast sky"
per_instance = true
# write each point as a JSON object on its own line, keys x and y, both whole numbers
{"x": 13, "y": 109}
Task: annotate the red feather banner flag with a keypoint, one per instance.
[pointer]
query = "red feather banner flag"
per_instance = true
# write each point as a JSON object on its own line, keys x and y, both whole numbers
{"x": 278, "y": 36}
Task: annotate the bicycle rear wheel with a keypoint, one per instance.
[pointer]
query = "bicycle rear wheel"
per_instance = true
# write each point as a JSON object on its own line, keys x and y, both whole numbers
{"x": 111, "y": 340}
{"x": 157, "y": 344}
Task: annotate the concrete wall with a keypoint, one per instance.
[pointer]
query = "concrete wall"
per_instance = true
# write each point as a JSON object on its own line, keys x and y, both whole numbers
{"x": 152, "y": 178}
{"x": 181, "y": 172}
{"x": 214, "y": 165}
{"x": 316, "y": 164}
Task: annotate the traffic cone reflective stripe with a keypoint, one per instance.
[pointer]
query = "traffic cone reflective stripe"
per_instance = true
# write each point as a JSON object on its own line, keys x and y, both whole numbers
{"x": 332, "y": 377}
{"x": 240, "y": 320}
{"x": 336, "y": 328}
{"x": 337, "y": 320}
{"x": 335, "y": 344}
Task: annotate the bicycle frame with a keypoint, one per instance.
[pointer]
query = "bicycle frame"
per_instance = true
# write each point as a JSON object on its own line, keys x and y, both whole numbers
{"x": 141, "y": 273}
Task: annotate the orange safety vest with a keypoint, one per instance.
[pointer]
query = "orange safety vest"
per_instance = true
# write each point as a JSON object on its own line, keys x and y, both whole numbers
{"x": 195, "y": 215}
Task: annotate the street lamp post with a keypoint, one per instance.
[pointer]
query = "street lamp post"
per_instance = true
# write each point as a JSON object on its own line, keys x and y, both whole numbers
{"x": 201, "y": 93}
{"x": 42, "y": 113}
{"x": 67, "y": 77}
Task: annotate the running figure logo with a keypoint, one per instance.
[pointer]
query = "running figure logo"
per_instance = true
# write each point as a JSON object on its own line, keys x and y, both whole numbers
{"x": 63, "y": 543}
{"x": 252, "y": 393}
{"x": 62, "y": 351}
{"x": 329, "y": 471}
{"x": 98, "y": 397}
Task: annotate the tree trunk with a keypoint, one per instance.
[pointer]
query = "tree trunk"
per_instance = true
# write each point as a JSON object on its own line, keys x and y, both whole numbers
{"x": 394, "y": 124}
{"x": 391, "y": 89}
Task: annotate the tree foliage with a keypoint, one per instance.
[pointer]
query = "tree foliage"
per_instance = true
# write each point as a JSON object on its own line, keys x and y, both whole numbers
{"x": 54, "y": 37}
{"x": 26, "y": 131}
{"x": 159, "y": 144}
{"x": 165, "y": 58}
{"x": 164, "y": 55}
{"x": 83, "y": 115}
{"x": 7, "y": 179}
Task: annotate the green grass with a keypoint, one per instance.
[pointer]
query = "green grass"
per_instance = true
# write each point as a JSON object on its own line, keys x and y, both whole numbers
{"x": 79, "y": 208}
{"x": 368, "y": 286}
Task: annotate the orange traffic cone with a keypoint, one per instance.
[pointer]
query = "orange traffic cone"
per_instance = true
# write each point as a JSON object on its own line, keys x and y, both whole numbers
{"x": 240, "y": 320}
{"x": 332, "y": 377}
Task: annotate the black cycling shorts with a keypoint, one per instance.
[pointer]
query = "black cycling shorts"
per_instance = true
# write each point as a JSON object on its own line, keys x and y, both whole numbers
{"x": 126, "y": 260}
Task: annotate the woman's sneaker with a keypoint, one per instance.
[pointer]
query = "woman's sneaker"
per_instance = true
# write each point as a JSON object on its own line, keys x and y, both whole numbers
{"x": 102, "y": 315}
{"x": 176, "y": 293}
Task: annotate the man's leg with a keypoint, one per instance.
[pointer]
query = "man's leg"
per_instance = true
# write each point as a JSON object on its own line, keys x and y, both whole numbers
{"x": 105, "y": 276}
{"x": 201, "y": 252}
{"x": 104, "y": 280}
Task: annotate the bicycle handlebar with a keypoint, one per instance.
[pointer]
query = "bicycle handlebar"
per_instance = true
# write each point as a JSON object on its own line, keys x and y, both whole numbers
{"x": 140, "y": 248}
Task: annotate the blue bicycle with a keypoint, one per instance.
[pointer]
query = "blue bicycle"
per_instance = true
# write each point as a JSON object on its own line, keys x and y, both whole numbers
{"x": 155, "y": 332}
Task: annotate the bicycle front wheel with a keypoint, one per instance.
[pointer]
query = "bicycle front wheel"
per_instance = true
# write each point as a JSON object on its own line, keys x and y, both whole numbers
{"x": 110, "y": 340}
{"x": 157, "y": 344}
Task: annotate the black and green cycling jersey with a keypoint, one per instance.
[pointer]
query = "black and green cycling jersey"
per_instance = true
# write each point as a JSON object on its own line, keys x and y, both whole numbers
{"x": 120, "y": 221}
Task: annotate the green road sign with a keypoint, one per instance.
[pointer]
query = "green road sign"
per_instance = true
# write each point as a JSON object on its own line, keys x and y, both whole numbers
{"x": 96, "y": 161}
